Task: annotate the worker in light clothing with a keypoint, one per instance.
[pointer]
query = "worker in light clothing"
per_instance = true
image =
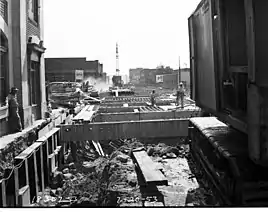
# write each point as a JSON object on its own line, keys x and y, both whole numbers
{"x": 153, "y": 98}
{"x": 180, "y": 95}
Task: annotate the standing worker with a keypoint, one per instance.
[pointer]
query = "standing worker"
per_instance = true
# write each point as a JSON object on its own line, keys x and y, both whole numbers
{"x": 153, "y": 98}
{"x": 14, "y": 120}
{"x": 180, "y": 94}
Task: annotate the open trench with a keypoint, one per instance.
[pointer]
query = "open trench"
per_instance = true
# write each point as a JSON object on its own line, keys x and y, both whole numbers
{"x": 90, "y": 180}
{"x": 114, "y": 180}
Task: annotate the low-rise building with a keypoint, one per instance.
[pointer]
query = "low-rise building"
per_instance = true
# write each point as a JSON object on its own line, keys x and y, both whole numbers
{"x": 72, "y": 69}
{"x": 22, "y": 60}
{"x": 145, "y": 76}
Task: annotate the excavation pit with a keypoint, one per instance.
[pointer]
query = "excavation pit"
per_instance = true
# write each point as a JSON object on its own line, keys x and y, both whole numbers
{"x": 115, "y": 181}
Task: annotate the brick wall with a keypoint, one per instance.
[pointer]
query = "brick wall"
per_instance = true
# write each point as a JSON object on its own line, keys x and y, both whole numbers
{"x": 32, "y": 26}
{"x": 170, "y": 81}
{"x": 4, "y": 10}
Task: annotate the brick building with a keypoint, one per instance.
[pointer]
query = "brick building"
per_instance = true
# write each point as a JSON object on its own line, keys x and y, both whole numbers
{"x": 147, "y": 76}
{"x": 134, "y": 75}
{"x": 64, "y": 69}
{"x": 171, "y": 81}
{"x": 22, "y": 60}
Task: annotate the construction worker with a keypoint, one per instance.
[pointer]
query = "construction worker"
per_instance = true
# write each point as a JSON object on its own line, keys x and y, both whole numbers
{"x": 180, "y": 94}
{"x": 14, "y": 120}
{"x": 153, "y": 98}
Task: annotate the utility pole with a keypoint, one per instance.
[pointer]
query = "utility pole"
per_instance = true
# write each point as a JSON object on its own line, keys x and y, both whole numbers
{"x": 179, "y": 69}
{"x": 117, "y": 61}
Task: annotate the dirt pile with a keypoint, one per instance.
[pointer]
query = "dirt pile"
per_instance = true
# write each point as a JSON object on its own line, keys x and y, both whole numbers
{"x": 112, "y": 180}
{"x": 93, "y": 180}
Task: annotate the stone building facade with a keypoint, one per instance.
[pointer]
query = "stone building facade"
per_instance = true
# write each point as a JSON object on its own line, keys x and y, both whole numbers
{"x": 22, "y": 59}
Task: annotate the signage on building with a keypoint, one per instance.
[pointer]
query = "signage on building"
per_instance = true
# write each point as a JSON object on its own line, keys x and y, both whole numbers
{"x": 79, "y": 75}
{"x": 159, "y": 78}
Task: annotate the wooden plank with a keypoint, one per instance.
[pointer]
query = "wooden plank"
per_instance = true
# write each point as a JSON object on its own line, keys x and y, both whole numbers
{"x": 35, "y": 174}
{"x": 27, "y": 171}
{"x": 148, "y": 168}
{"x": 24, "y": 154}
{"x": 124, "y": 130}
{"x": 42, "y": 167}
{"x": 98, "y": 148}
{"x": 43, "y": 139}
{"x": 45, "y": 130}
{"x": 47, "y": 160}
{"x": 52, "y": 132}
{"x": 16, "y": 179}
{"x": 29, "y": 150}
{"x": 86, "y": 114}
{"x": 24, "y": 196}
{"x": 3, "y": 190}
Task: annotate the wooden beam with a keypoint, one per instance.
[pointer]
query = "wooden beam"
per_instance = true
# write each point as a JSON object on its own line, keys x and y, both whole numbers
{"x": 16, "y": 181}
{"x": 123, "y": 130}
{"x": 35, "y": 174}
{"x": 151, "y": 174}
{"x": 42, "y": 167}
{"x": 44, "y": 141}
{"x": 98, "y": 147}
{"x": 3, "y": 193}
{"x": 86, "y": 114}
{"x": 52, "y": 132}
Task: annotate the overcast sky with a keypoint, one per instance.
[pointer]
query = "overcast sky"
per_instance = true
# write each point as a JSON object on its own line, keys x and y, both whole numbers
{"x": 148, "y": 32}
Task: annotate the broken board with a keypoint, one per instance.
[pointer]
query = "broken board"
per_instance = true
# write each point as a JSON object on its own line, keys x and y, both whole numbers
{"x": 98, "y": 148}
{"x": 151, "y": 174}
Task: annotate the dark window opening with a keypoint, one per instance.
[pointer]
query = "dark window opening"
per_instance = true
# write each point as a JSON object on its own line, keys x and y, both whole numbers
{"x": 34, "y": 83}
{"x": 235, "y": 93}
{"x": 33, "y": 10}
{"x": 3, "y": 71}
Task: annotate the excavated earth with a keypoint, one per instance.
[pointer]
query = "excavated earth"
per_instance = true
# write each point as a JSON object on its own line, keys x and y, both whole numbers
{"x": 112, "y": 181}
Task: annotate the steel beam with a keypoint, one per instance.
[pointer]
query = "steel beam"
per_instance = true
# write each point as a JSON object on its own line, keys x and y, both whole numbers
{"x": 120, "y": 104}
{"x": 152, "y": 115}
{"x": 123, "y": 130}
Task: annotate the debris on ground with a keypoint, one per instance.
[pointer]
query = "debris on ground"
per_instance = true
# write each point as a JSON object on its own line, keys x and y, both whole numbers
{"x": 112, "y": 181}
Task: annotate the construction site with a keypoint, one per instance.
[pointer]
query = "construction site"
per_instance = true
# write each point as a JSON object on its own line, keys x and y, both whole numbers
{"x": 91, "y": 144}
{"x": 121, "y": 152}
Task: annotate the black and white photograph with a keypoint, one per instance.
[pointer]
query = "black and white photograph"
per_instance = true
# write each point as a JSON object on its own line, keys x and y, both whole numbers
{"x": 133, "y": 104}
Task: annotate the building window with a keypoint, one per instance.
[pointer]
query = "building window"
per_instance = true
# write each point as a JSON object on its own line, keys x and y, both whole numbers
{"x": 3, "y": 71}
{"x": 3, "y": 10}
{"x": 34, "y": 83}
{"x": 33, "y": 10}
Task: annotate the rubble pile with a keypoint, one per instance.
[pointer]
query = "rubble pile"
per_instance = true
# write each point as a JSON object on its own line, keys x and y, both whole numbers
{"x": 112, "y": 180}
{"x": 12, "y": 150}
{"x": 93, "y": 180}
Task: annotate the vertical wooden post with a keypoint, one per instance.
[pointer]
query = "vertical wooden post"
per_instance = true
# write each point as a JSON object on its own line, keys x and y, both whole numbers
{"x": 73, "y": 150}
{"x": 26, "y": 171}
{"x": 52, "y": 143}
{"x": 47, "y": 159}
{"x": 16, "y": 179}
{"x": 42, "y": 167}
{"x": 4, "y": 197}
{"x": 36, "y": 174}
